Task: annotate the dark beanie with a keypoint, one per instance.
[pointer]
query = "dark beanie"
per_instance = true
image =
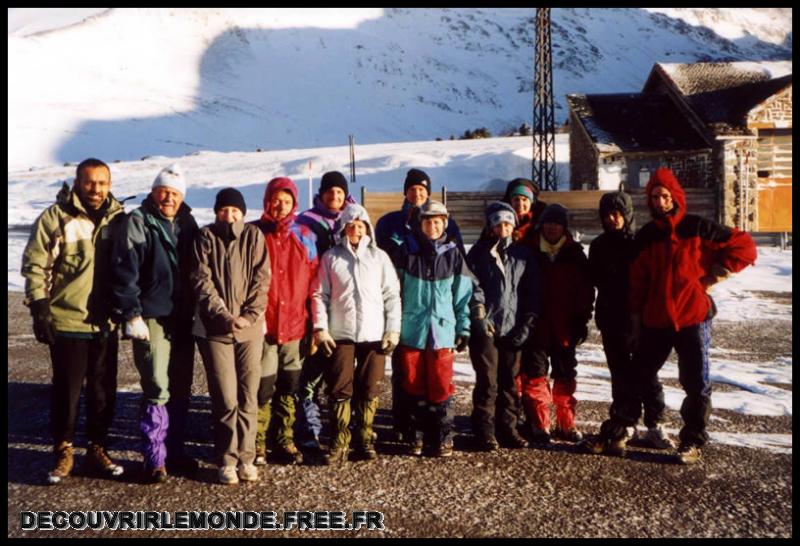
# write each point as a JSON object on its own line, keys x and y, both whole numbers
{"x": 333, "y": 179}
{"x": 230, "y": 197}
{"x": 416, "y": 177}
{"x": 554, "y": 214}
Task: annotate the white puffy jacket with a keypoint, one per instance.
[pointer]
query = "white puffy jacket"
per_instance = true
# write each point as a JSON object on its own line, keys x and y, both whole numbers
{"x": 358, "y": 298}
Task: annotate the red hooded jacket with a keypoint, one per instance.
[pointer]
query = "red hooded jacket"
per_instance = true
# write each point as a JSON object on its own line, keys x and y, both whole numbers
{"x": 669, "y": 277}
{"x": 293, "y": 257}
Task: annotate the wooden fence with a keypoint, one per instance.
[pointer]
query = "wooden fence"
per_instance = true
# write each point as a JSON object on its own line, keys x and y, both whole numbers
{"x": 468, "y": 207}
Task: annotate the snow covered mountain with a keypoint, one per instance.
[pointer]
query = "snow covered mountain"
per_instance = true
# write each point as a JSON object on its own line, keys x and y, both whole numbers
{"x": 127, "y": 83}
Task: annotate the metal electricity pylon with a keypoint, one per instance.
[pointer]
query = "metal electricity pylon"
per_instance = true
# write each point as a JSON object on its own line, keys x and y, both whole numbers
{"x": 544, "y": 141}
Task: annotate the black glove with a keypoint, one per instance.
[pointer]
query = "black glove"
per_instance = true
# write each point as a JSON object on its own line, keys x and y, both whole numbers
{"x": 517, "y": 337}
{"x": 43, "y": 321}
{"x": 461, "y": 343}
{"x": 580, "y": 331}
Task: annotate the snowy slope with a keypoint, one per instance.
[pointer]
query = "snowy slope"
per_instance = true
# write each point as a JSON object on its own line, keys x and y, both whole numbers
{"x": 126, "y": 83}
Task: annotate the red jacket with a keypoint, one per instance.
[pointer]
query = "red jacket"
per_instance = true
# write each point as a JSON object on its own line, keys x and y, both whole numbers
{"x": 669, "y": 277}
{"x": 567, "y": 292}
{"x": 293, "y": 259}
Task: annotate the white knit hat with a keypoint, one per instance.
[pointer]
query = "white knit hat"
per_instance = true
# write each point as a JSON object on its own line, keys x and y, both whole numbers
{"x": 171, "y": 177}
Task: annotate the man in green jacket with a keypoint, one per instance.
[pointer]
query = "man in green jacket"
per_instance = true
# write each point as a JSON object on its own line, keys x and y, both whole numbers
{"x": 66, "y": 266}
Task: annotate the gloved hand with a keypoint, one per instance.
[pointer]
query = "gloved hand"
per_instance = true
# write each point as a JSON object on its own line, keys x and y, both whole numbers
{"x": 389, "y": 341}
{"x": 325, "y": 342}
{"x": 580, "y": 331}
{"x": 518, "y": 335}
{"x": 461, "y": 343}
{"x": 43, "y": 321}
{"x": 240, "y": 323}
{"x": 634, "y": 333}
{"x": 477, "y": 315}
{"x": 137, "y": 329}
{"x": 718, "y": 273}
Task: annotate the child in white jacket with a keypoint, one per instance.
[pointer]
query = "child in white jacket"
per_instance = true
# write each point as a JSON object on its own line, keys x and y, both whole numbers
{"x": 356, "y": 320}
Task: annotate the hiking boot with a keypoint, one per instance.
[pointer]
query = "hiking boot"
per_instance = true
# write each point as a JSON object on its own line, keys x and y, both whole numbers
{"x": 688, "y": 454}
{"x": 445, "y": 449}
{"x": 415, "y": 447}
{"x": 569, "y": 435}
{"x": 248, "y": 473}
{"x": 487, "y": 443}
{"x": 337, "y": 455}
{"x": 260, "y": 460}
{"x": 154, "y": 475}
{"x": 288, "y": 454}
{"x": 64, "y": 461}
{"x": 658, "y": 439}
{"x": 512, "y": 440}
{"x": 365, "y": 453}
{"x": 539, "y": 436}
{"x": 227, "y": 475}
{"x": 97, "y": 461}
{"x": 599, "y": 446}
{"x": 182, "y": 465}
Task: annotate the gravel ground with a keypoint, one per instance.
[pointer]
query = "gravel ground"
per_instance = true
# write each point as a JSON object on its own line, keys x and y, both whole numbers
{"x": 557, "y": 492}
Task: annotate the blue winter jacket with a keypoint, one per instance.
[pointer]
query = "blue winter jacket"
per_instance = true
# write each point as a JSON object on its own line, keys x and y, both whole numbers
{"x": 321, "y": 221}
{"x": 508, "y": 283}
{"x": 152, "y": 260}
{"x": 436, "y": 290}
{"x": 393, "y": 228}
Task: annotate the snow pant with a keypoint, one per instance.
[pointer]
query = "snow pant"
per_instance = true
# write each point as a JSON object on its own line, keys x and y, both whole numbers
{"x": 494, "y": 396}
{"x": 73, "y": 360}
{"x": 165, "y": 365}
{"x": 692, "y": 344}
{"x": 309, "y": 422}
{"x": 428, "y": 382}
{"x": 626, "y": 400}
{"x": 536, "y": 393}
{"x": 280, "y": 379}
{"x": 355, "y": 371}
{"x": 233, "y": 371}
{"x": 401, "y": 404}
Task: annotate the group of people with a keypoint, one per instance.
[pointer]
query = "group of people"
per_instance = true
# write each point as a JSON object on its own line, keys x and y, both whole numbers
{"x": 287, "y": 303}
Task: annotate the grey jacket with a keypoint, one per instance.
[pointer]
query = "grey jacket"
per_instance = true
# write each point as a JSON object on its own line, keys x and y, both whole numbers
{"x": 230, "y": 277}
{"x": 358, "y": 297}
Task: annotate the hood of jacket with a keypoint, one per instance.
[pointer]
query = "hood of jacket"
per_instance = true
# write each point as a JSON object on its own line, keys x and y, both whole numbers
{"x": 275, "y": 185}
{"x": 622, "y": 202}
{"x": 664, "y": 177}
{"x": 352, "y": 212}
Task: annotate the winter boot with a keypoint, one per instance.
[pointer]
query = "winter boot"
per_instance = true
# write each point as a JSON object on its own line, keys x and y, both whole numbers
{"x": 564, "y": 401}
{"x": 598, "y": 445}
{"x": 657, "y": 438}
{"x": 98, "y": 462}
{"x": 340, "y": 432}
{"x": 153, "y": 425}
{"x": 64, "y": 462}
{"x": 688, "y": 454}
{"x": 364, "y": 435}
{"x": 264, "y": 414}
{"x": 511, "y": 439}
{"x": 536, "y": 397}
{"x": 285, "y": 451}
{"x": 441, "y": 428}
{"x": 418, "y": 422}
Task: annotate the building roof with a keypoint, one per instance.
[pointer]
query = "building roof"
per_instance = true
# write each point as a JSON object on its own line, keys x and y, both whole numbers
{"x": 634, "y": 122}
{"x": 725, "y": 111}
{"x": 694, "y": 78}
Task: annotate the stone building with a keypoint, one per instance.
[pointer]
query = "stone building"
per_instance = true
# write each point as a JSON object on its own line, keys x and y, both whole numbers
{"x": 724, "y": 126}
